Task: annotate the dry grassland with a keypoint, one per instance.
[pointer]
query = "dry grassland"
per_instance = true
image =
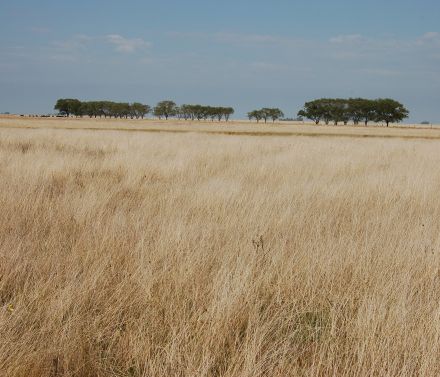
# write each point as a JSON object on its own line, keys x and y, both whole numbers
{"x": 170, "y": 254}
{"x": 409, "y": 131}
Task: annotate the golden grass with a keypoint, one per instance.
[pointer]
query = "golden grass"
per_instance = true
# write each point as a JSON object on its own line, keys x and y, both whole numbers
{"x": 161, "y": 254}
{"x": 241, "y": 127}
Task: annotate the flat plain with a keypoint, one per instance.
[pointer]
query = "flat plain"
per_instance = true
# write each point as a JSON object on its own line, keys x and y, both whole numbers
{"x": 218, "y": 250}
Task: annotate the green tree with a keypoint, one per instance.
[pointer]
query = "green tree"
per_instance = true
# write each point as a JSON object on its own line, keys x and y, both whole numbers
{"x": 256, "y": 114}
{"x": 367, "y": 110}
{"x": 198, "y": 111}
{"x": 90, "y": 108}
{"x": 219, "y": 113}
{"x": 354, "y": 111}
{"x": 227, "y": 112}
{"x": 265, "y": 113}
{"x": 165, "y": 109}
{"x": 68, "y": 106}
{"x": 275, "y": 114}
{"x": 389, "y": 111}
{"x": 187, "y": 112}
{"x": 212, "y": 112}
{"x": 313, "y": 110}
{"x": 338, "y": 110}
{"x": 106, "y": 107}
{"x": 139, "y": 110}
{"x": 251, "y": 114}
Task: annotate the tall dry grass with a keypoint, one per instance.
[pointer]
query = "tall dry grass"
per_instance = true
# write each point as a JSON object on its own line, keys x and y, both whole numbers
{"x": 133, "y": 254}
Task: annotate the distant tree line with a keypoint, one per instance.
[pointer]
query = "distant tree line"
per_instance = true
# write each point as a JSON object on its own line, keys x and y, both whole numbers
{"x": 164, "y": 109}
{"x": 328, "y": 110}
{"x": 105, "y": 109}
{"x": 357, "y": 110}
{"x": 265, "y": 114}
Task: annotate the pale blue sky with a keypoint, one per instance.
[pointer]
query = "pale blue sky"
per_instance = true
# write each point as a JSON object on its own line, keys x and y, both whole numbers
{"x": 242, "y": 53}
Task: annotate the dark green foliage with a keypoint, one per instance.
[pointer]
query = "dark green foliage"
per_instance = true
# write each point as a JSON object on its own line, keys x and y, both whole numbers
{"x": 265, "y": 113}
{"x": 102, "y": 108}
{"x": 68, "y": 106}
{"x": 389, "y": 110}
{"x": 165, "y": 109}
{"x": 200, "y": 112}
{"x": 354, "y": 109}
{"x": 255, "y": 114}
{"x": 313, "y": 110}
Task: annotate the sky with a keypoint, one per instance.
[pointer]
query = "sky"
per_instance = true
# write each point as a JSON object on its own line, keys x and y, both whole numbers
{"x": 245, "y": 54}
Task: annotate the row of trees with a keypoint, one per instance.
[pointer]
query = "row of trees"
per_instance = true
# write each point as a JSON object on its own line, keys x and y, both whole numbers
{"x": 105, "y": 109}
{"x": 163, "y": 109}
{"x": 265, "y": 113}
{"x": 354, "y": 109}
{"x": 325, "y": 109}
{"x": 169, "y": 108}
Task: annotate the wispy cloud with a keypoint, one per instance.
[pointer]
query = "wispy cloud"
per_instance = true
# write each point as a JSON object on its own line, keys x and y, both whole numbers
{"x": 431, "y": 35}
{"x": 429, "y": 38}
{"x": 347, "y": 39}
{"x": 230, "y": 38}
{"x": 380, "y": 72}
{"x": 246, "y": 38}
{"x": 77, "y": 42}
{"x": 63, "y": 58}
{"x": 121, "y": 44}
{"x": 146, "y": 60}
{"x": 267, "y": 66}
{"x": 127, "y": 45}
{"x": 40, "y": 30}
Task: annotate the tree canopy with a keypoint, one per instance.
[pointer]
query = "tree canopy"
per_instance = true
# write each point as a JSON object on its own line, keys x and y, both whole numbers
{"x": 390, "y": 111}
{"x": 200, "y": 112}
{"x": 165, "y": 109}
{"x": 265, "y": 113}
{"x": 354, "y": 109}
{"x": 328, "y": 110}
{"x": 102, "y": 108}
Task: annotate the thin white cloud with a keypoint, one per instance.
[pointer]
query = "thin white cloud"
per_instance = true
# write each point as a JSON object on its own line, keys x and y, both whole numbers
{"x": 40, "y": 30}
{"x": 63, "y": 58}
{"x": 431, "y": 35}
{"x": 146, "y": 60}
{"x": 246, "y": 38}
{"x": 230, "y": 38}
{"x": 126, "y": 45}
{"x": 77, "y": 42}
{"x": 347, "y": 39}
{"x": 429, "y": 38}
{"x": 381, "y": 72}
{"x": 121, "y": 44}
{"x": 267, "y": 66}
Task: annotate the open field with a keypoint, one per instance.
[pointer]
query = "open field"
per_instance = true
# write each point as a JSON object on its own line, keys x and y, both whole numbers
{"x": 233, "y": 127}
{"x": 197, "y": 254}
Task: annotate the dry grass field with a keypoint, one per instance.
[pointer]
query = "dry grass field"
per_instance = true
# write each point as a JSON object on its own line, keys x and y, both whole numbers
{"x": 197, "y": 254}
{"x": 244, "y": 128}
